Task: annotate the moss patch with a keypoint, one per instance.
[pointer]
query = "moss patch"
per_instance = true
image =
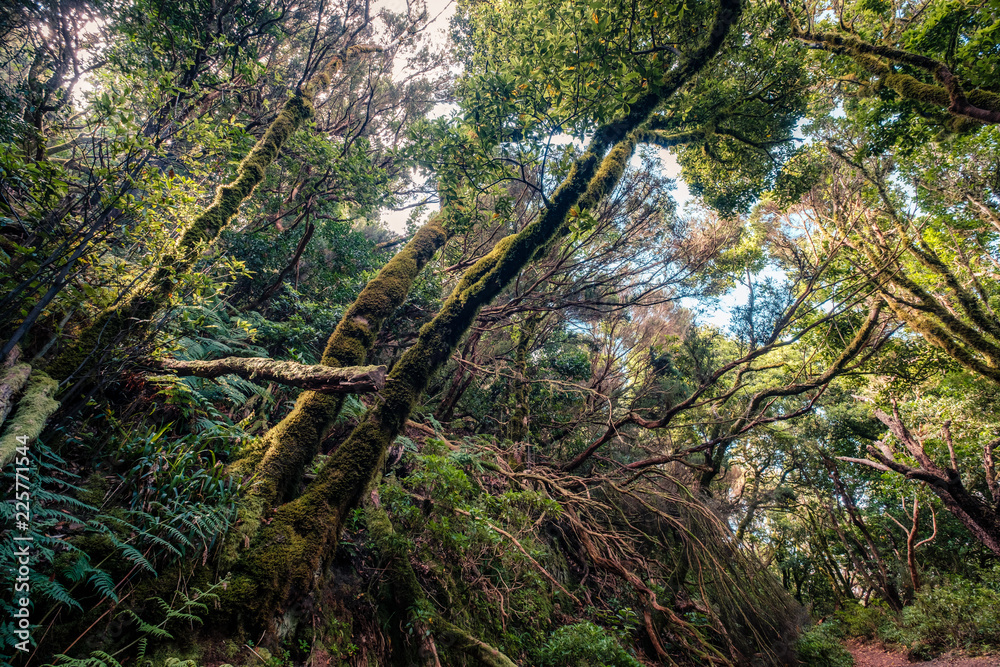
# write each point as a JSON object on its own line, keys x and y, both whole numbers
{"x": 33, "y": 412}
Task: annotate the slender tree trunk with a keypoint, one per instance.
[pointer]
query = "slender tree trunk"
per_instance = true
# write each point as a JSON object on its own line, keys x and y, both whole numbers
{"x": 459, "y": 384}
{"x": 518, "y": 430}
{"x": 135, "y": 313}
{"x": 285, "y": 272}
{"x": 889, "y": 590}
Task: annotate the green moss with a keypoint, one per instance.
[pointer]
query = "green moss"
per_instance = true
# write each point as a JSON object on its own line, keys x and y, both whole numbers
{"x": 870, "y": 56}
{"x": 94, "y": 490}
{"x": 10, "y": 384}
{"x": 457, "y": 639}
{"x": 32, "y": 413}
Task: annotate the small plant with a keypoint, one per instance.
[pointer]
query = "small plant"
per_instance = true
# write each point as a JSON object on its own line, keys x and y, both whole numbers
{"x": 865, "y": 622}
{"x": 962, "y": 614}
{"x": 820, "y": 646}
{"x": 180, "y": 493}
{"x": 584, "y": 645}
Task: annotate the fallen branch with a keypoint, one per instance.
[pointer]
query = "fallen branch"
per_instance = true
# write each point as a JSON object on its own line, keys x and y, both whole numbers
{"x": 322, "y": 379}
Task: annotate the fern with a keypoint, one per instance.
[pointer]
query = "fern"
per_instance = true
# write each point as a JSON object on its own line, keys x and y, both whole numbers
{"x": 52, "y": 506}
{"x": 352, "y": 408}
{"x": 148, "y": 628}
{"x": 96, "y": 659}
{"x": 54, "y": 591}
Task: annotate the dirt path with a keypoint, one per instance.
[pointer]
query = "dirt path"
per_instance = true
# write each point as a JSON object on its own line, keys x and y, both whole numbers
{"x": 868, "y": 655}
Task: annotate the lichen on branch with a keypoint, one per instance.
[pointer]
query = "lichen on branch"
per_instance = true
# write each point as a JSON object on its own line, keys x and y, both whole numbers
{"x": 322, "y": 379}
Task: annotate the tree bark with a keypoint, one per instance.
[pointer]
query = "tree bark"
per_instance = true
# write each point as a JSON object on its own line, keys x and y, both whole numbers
{"x": 134, "y": 314}
{"x": 288, "y": 553}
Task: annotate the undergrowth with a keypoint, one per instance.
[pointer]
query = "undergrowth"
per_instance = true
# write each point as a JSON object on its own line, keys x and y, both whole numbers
{"x": 956, "y": 613}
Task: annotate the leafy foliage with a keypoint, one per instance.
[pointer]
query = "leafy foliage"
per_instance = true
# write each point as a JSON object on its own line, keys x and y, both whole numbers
{"x": 584, "y": 644}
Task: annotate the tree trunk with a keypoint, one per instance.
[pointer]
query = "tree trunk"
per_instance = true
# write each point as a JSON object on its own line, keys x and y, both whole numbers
{"x": 290, "y": 551}
{"x": 281, "y": 456}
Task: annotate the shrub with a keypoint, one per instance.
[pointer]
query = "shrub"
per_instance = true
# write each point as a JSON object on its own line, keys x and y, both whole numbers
{"x": 820, "y": 646}
{"x": 962, "y": 614}
{"x": 584, "y": 645}
{"x": 865, "y": 622}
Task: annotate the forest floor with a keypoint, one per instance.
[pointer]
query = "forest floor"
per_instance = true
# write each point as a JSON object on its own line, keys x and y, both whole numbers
{"x": 871, "y": 655}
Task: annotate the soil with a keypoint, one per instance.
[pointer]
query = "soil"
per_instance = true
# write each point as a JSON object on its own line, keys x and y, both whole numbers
{"x": 870, "y": 655}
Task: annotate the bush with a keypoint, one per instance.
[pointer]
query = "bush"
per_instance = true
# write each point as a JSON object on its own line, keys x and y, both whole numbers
{"x": 820, "y": 646}
{"x": 584, "y": 645}
{"x": 962, "y": 614}
{"x": 871, "y": 622}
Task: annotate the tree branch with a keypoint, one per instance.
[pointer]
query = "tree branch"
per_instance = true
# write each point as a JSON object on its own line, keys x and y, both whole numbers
{"x": 322, "y": 379}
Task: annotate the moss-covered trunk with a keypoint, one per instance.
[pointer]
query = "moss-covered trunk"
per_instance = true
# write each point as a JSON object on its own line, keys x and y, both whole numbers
{"x": 32, "y": 413}
{"x": 135, "y": 313}
{"x": 281, "y": 456}
{"x": 324, "y": 379}
{"x": 14, "y": 375}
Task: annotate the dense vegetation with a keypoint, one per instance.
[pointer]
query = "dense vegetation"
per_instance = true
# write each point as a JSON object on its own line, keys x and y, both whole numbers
{"x": 560, "y": 419}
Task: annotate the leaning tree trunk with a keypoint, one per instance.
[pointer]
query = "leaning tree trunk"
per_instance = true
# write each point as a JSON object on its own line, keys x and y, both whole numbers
{"x": 279, "y": 459}
{"x": 135, "y": 313}
{"x": 288, "y": 554}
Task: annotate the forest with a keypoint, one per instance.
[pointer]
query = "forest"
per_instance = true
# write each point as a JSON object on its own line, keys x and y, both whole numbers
{"x": 540, "y": 333}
